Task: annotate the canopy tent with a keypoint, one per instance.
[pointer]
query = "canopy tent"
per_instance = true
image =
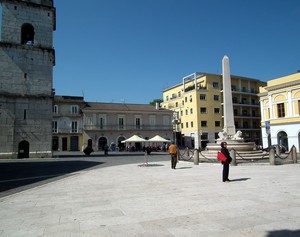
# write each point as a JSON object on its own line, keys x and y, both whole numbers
{"x": 158, "y": 138}
{"x": 135, "y": 138}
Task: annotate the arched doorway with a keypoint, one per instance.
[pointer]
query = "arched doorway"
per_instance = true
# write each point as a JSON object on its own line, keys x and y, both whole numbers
{"x": 120, "y": 144}
{"x": 101, "y": 143}
{"x": 90, "y": 143}
{"x": 23, "y": 149}
{"x": 282, "y": 139}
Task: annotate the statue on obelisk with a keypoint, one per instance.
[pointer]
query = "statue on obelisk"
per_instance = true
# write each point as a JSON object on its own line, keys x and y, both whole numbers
{"x": 229, "y": 127}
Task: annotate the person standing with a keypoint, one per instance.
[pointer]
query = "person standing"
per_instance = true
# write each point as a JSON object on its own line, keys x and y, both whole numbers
{"x": 226, "y": 163}
{"x": 173, "y": 153}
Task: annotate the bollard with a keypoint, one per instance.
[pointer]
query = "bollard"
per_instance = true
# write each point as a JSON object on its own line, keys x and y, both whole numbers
{"x": 233, "y": 156}
{"x": 294, "y": 154}
{"x": 196, "y": 157}
{"x": 272, "y": 157}
{"x": 277, "y": 150}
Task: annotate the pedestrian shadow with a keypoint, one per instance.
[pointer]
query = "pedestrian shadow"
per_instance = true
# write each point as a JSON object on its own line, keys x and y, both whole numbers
{"x": 241, "y": 179}
{"x": 186, "y": 167}
{"x": 150, "y": 165}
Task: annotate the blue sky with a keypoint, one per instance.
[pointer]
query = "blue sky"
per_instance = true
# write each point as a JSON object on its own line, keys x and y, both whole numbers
{"x": 131, "y": 50}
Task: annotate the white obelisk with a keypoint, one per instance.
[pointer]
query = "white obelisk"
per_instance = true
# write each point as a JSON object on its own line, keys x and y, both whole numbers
{"x": 229, "y": 126}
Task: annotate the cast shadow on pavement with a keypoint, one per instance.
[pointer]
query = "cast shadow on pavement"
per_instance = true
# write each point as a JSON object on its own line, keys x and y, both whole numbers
{"x": 186, "y": 167}
{"x": 150, "y": 165}
{"x": 283, "y": 233}
{"x": 241, "y": 179}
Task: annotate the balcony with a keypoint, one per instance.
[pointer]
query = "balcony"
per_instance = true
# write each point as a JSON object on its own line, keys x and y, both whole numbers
{"x": 127, "y": 127}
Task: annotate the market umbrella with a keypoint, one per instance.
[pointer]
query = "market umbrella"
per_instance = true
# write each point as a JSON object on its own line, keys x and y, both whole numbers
{"x": 158, "y": 138}
{"x": 135, "y": 138}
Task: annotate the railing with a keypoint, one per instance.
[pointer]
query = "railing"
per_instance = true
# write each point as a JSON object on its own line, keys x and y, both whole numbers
{"x": 127, "y": 127}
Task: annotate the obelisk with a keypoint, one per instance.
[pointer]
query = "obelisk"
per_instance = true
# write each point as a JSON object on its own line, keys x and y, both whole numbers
{"x": 229, "y": 126}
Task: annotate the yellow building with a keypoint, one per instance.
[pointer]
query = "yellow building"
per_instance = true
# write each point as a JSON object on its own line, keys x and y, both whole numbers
{"x": 280, "y": 109}
{"x": 197, "y": 106}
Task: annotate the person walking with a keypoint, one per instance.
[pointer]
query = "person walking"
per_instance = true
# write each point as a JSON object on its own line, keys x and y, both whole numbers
{"x": 173, "y": 153}
{"x": 226, "y": 163}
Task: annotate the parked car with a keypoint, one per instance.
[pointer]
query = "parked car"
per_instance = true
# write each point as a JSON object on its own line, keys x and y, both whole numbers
{"x": 282, "y": 149}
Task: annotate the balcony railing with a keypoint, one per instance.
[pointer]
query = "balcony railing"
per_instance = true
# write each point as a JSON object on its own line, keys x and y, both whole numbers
{"x": 127, "y": 127}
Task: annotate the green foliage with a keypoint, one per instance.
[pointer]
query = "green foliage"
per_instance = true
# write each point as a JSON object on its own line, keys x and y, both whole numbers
{"x": 156, "y": 101}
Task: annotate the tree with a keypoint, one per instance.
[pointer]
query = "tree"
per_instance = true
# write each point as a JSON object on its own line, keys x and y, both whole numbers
{"x": 156, "y": 101}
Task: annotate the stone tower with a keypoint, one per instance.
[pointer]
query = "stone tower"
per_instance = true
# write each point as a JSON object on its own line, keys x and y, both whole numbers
{"x": 27, "y": 58}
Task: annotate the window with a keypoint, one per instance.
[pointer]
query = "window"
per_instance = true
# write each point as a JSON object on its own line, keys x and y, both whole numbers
{"x": 74, "y": 109}
{"x": 280, "y": 110}
{"x": 233, "y": 88}
{"x": 102, "y": 122}
{"x": 185, "y": 99}
{"x": 25, "y": 114}
{"x": 191, "y": 110}
{"x": 202, "y": 97}
{"x": 167, "y": 98}
{"x": 121, "y": 123}
{"x": 137, "y": 123}
{"x": 204, "y": 136}
{"x": 176, "y": 104}
{"x": 181, "y": 113}
{"x": 54, "y": 126}
{"x": 152, "y": 120}
{"x": 186, "y": 112}
{"x": 215, "y": 84}
{"x": 27, "y": 34}
{"x": 192, "y": 124}
{"x": 217, "y": 110}
{"x": 179, "y": 94}
{"x": 74, "y": 126}
{"x": 234, "y": 100}
{"x": 235, "y": 112}
{"x": 217, "y": 124}
{"x": 203, "y": 110}
{"x": 216, "y": 97}
{"x": 55, "y": 109}
{"x": 191, "y": 98}
{"x": 203, "y": 123}
{"x": 216, "y": 135}
{"x": 186, "y": 124}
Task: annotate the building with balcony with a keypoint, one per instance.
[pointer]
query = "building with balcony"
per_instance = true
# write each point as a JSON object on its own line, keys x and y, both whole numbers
{"x": 280, "y": 110}
{"x": 67, "y": 127}
{"x": 198, "y": 112}
{"x": 112, "y": 123}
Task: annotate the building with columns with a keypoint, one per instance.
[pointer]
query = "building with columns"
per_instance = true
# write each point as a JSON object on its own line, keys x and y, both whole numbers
{"x": 280, "y": 111}
{"x": 197, "y": 104}
{"x": 26, "y": 77}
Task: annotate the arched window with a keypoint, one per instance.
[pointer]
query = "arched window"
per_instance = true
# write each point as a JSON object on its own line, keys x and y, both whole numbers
{"x": 27, "y": 36}
{"x": 23, "y": 150}
{"x": 282, "y": 139}
{"x": 101, "y": 143}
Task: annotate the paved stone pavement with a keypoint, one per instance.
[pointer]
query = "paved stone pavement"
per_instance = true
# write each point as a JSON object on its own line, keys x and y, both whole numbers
{"x": 132, "y": 200}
